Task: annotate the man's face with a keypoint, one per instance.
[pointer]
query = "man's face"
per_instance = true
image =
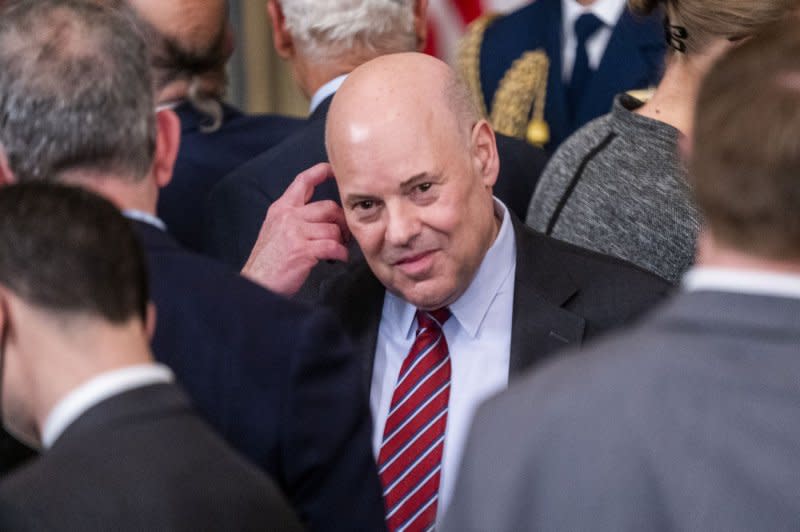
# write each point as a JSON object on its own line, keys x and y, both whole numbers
{"x": 420, "y": 207}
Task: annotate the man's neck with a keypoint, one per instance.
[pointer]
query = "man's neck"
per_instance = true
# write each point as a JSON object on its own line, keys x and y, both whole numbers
{"x": 139, "y": 196}
{"x": 711, "y": 254}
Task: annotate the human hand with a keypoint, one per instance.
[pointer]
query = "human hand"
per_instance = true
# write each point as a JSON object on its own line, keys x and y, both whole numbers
{"x": 296, "y": 235}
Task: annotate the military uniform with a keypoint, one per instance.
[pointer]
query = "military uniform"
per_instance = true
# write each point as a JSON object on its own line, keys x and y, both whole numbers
{"x": 514, "y": 63}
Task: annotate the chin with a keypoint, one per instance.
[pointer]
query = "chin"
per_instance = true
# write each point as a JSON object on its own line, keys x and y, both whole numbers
{"x": 428, "y": 298}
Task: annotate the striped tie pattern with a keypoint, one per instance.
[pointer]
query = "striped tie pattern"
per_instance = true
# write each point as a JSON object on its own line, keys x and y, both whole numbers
{"x": 410, "y": 459}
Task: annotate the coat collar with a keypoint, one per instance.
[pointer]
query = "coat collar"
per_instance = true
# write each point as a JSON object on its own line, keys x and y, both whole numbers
{"x": 130, "y": 406}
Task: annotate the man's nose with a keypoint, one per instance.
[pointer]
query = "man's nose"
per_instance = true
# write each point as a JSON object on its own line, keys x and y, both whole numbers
{"x": 402, "y": 225}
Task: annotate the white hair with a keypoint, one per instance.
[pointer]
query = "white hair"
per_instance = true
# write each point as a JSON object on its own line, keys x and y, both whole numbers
{"x": 328, "y": 29}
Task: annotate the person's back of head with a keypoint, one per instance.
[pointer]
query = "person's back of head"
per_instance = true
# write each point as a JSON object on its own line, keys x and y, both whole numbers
{"x": 693, "y": 25}
{"x": 190, "y": 43}
{"x": 77, "y": 102}
{"x": 339, "y": 35}
{"x": 75, "y": 92}
{"x": 73, "y": 284}
{"x": 745, "y": 157}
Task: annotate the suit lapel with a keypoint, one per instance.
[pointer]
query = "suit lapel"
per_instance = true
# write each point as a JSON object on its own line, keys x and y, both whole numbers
{"x": 556, "y": 112}
{"x": 540, "y": 323}
{"x": 357, "y": 297}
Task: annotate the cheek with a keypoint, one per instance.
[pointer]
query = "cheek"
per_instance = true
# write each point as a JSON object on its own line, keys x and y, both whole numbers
{"x": 368, "y": 236}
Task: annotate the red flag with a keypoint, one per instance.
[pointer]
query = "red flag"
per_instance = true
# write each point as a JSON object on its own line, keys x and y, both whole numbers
{"x": 448, "y": 19}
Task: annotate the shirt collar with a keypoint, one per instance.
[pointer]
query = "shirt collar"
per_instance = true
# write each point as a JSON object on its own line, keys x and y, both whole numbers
{"x": 753, "y": 282}
{"x": 145, "y": 217}
{"x": 97, "y": 390}
{"x": 471, "y": 308}
{"x": 326, "y": 90}
{"x": 608, "y": 11}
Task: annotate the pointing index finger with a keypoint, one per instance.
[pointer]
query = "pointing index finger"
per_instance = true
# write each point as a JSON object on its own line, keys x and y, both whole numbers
{"x": 302, "y": 188}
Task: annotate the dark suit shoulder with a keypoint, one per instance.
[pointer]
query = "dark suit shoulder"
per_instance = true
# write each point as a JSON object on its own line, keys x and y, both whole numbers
{"x": 521, "y": 165}
{"x": 609, "y": 292}
{"x": 237, "y": 205}
{"x": 141, "y": 461}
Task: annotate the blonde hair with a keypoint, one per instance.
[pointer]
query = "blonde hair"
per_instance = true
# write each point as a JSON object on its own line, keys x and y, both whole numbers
{"x": 696, "y": 23}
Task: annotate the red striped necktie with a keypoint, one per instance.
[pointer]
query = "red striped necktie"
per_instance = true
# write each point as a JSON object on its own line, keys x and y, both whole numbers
{"x": 410, "y": 459}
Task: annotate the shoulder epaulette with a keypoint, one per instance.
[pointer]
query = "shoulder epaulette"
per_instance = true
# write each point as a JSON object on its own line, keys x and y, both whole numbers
{"x": 469, "y": 57}
{"x": 521, "y": 94}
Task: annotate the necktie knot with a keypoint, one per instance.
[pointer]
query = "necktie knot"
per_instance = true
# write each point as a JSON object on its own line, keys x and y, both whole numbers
{"x": 432, "y": 319}
{"x": 585, "y": 26}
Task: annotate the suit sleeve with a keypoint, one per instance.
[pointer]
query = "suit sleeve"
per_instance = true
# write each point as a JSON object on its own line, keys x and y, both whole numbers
{"x": 234, "y": 212}
{"x": 327, "y": 454}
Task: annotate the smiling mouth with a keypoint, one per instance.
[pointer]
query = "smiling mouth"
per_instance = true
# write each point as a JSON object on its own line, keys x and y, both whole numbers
{"x": 416, "y": 265}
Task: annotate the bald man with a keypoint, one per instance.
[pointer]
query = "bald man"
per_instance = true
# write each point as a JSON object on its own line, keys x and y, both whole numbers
{"x": 190, "y": 44}
{"x": 455, "y": 296}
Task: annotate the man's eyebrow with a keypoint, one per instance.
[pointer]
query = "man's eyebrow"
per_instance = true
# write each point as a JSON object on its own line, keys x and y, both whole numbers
{"x": 352, "y": 199}
{"x": 414, "y": 180}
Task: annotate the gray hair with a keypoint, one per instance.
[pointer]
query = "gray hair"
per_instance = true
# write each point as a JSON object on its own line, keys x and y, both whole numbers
{"x": 75, "y": 91}
{"x": 328, "y": 29}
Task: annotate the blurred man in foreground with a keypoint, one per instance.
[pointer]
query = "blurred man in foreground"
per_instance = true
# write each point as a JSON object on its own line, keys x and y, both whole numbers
{"x": 690, "y": 420}
{"x": 123, "y": 450}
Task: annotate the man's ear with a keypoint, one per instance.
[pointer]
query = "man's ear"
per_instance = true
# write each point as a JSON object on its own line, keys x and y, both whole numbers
{"x": 150, "y": 320}
{"x": 421, "y": 23}
{"x": 281, "y": 38}
{"x": 168, "y": 139}
{"x": 6, "y": 175}
{"x": 484, "y": 152}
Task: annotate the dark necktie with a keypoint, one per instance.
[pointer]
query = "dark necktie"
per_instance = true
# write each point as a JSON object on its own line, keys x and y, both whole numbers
{"x": 586, "y": 26}
{"x": 410, "y": 459}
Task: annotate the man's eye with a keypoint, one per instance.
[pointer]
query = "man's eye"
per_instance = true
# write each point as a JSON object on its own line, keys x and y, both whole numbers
{"x": 364, "y": 205}
{"x": 424, "y": 187}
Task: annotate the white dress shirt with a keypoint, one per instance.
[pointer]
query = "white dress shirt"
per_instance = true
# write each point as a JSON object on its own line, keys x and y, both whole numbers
{"x": 609, "y": 11}
{"x": 478, "y": 336}
{"x": 739, "y": 281}
{"x": 326, "y": 90}
{"x": 97, "y": 390}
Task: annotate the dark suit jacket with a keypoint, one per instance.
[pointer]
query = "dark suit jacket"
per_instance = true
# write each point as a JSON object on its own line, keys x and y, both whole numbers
{"x": 689, "y": 421}
{"x": 238, "y": 205}
{"x": 277, "y": 380}
{"x": 141, "y": 460}
{"x": 633, "y": 60}
{"x": 12, "y": 453}
{"x": 205, "y": 158}
{"x": 563, "y": 295}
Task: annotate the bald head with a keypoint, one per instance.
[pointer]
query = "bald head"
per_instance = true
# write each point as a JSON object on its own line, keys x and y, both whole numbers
{"x": 400, "y": 90}
{"x": 193, "y": 23}
{"x": 188, "y": 38}
{"x": 415, "y": 168}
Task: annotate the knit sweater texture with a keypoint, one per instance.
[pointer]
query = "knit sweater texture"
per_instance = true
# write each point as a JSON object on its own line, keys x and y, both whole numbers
{"x": 618, "y": 186}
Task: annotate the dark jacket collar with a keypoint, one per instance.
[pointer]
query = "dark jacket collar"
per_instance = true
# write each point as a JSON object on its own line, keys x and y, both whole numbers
{"x": 153, "y": 238}
{"x": 321, "y": 112}
{"x": 136, "y": 404}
